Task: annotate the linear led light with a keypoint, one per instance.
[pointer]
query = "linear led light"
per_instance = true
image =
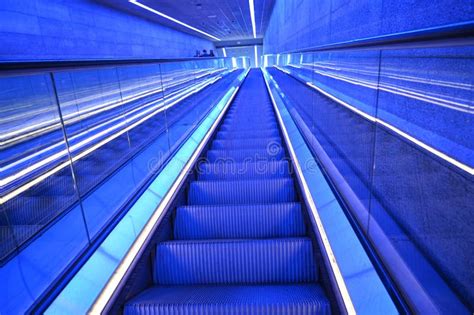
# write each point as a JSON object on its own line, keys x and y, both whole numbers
{"x": 224, "y": 52}
{"x": 87, "y": 113}
{"x": 177, "y": 97}
{"x": 414, "y": 140}
{"x": 135, "y": 2}
{"x": 252, "y": 17}
{"x": 81, "y": 113}
{"x": 256, "y": 55}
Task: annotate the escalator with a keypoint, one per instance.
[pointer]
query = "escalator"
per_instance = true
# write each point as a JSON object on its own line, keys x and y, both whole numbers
{"x": 58, "y": 206}
{"x": 241, "y": 242}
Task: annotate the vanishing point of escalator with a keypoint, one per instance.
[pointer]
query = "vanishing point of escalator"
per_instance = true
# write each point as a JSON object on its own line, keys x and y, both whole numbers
{"x": 240, "y": 244}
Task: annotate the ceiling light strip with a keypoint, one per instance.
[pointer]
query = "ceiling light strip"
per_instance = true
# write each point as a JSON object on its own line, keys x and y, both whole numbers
{"x": 252, "y": 17}
{"x": 135, "y": 2}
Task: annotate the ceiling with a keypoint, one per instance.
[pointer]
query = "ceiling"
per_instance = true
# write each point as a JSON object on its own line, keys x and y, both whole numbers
{"x": 225, "y": 19}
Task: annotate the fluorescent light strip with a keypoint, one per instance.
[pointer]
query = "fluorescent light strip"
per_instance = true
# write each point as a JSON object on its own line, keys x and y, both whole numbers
{"x": 109, "y": 289}
{"x": 410, "y": 93}
{"x": 150, "y": 106}
{"x": 135, "y": 2}
{"x": 96, "y": 146}
{"x": 77, "y": 136}
{"x": 428, "y": 148}
{"x": 45, "y": 126}
{"x": 309, "y": 198}
{"x": 340, "y": 66}
{"x": 224, "y": 52}
{"x": 256, "y": 58}
{"x": 252, "y": 17}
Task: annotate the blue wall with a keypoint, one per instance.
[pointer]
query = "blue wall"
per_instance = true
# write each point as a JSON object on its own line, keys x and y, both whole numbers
{"x": 83, "y": 29}
{"x": 297, "y": 24}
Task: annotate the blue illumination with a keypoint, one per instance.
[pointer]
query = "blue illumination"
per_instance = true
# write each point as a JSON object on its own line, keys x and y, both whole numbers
{"x": 137, "y": 3}
{"x": 377, "y": 98}
{"x": 58, "y": 229}
{"x": 398, "y": 101}
{"x": 252, "y": 18}
{"x": 81, "y": 292}
{"x": 89, "y": 30}
{"x": 364, "y": 286}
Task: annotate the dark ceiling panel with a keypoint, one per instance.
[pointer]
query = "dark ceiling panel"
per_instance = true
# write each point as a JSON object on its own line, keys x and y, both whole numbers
{"x": 224, "y": 19}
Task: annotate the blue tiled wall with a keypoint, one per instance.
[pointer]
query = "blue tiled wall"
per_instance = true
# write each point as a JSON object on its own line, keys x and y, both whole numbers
{"x": 84, "y": 29}
{"x": 297, "y": 24}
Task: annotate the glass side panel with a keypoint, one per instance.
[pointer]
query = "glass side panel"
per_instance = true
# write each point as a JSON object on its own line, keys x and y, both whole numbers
{"x": 142, "y": 86}
{"x": 346, "y": 136}
{"x": 180, "y": 81}
{"x": 427, "y": 94}
{"x": 37, "y": 184}
{"x": 393, "y": 129}
{"x": 96, "y": 130}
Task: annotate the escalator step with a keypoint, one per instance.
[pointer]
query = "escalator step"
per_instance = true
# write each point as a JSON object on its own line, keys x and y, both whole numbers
{"x": 246, "y": 155}
{"x": 54, "y": 186}
{"x": 240, "y": 171}
{"x": 239, "y": 221}
{"x": 261, "y": 143}
{"x": 240, "y": 243}
{"x": 17, "y": 232}
{"x": 242, "y": 192}
{"x": 247, "y": 134}
{"x": 36, "y": 210}
{"x": 280, "y": 260}
{"x": 90, "y": 166}
{"x": 245, "y": 126}
{"x": 256, "y": 117}
{"x": 282, "y": 299}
